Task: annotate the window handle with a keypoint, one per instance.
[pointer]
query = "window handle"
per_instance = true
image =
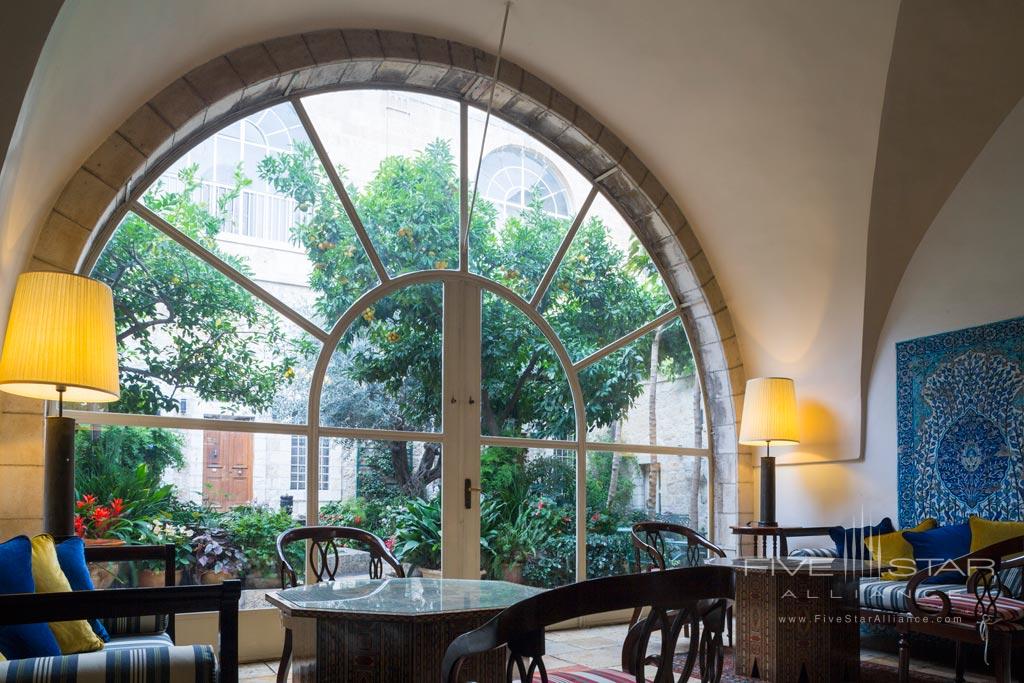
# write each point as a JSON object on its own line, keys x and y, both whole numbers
{"x": 468, "y": 493}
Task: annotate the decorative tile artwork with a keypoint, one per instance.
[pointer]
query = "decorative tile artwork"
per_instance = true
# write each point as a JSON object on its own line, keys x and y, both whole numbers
{"x": 960, "y": 412}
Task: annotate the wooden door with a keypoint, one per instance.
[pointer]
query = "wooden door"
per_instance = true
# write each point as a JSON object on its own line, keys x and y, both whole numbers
{"x": 227, "y": 468}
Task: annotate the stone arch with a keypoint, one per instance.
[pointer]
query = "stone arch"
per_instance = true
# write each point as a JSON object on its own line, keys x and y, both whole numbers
{"x": 237, "y": 83}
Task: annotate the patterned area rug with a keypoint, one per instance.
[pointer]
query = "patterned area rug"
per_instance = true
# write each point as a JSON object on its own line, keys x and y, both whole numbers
{"x": 870, "y": 672}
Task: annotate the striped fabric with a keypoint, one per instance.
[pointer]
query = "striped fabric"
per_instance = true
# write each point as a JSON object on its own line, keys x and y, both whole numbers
{"x": 814, "y": 552}
{"x": 1009, "y": 612}
{"x": 128, "y": 642}
{"x": 125, "y": 626}
{"x": 1012, "y": 580}
{"x": 181, "y": 664}
{"x": 589, "y": 676}
{"x": 891, "y": 596}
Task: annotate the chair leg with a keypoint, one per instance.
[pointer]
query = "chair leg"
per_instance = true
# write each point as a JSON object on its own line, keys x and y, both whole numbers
{"x": 728, "y": 624}
{"x": 286, "y": 657}
{"x": 958, "y": 664}
{"x": 904, "y": 649}
{"x": 1001, "y": 659}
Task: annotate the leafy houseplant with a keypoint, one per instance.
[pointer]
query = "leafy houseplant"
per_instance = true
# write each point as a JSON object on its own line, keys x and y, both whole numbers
{"x": 217, "y": 556}
{"x": 161, "y": 532}
{"x": 255, "y": 528}
{"x": 418, "y": 532}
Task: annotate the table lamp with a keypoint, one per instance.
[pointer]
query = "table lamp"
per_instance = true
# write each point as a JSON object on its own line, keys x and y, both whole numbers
{"x": 60, "y": 344}
{"x": 769, "y": 417}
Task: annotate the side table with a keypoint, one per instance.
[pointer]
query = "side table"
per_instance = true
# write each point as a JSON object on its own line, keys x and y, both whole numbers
{"x": 797, "y": 618}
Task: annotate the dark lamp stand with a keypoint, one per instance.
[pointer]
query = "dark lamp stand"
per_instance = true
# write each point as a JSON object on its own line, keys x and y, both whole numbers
{"x": 768, "y": 488}
{"x": 59, "y": 473}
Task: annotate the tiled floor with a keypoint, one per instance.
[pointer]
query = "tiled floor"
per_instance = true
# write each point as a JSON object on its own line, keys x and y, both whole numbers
{"x": 599, "y": 647}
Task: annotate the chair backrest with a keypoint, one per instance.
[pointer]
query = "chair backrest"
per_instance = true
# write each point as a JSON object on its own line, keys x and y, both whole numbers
{"x": 521, "y": 626}
{"x": 651, "y": 546}
{"x": 325, "y": 547}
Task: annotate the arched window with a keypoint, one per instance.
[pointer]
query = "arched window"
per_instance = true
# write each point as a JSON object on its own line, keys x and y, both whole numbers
{"x": 512, "y": 177}
{"x": 522, "y": 367}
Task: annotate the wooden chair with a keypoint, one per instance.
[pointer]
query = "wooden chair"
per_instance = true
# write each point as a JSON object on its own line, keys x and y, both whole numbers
{"x": 677, "y": 592}
{"x": 985, "y": 612}
{"x": 651, "y": 546}
{"x": 325, "y": 543}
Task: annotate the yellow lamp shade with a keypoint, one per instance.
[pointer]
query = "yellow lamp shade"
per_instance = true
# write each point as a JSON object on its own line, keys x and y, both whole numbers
{"x": 769, "y": 412}
{"x": 61, "y": 334}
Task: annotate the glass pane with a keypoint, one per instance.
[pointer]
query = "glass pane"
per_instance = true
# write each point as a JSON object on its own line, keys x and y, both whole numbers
{"x": 623, "y": 489}
{"x": 528, "y": 515}
{"x": 398, "y": 154}
{"x": 386, "y": 372}
{"x": 391, "y": 489}
{"x": 634, "y": 396}
{"x": 606, "y": 286}
{"x": 193, "y": 343}
{"x": 526, "y": 200}
{"x": 524, "y": 388}
{"x": 221, "y": 497}
{"x": 267, "y": 208}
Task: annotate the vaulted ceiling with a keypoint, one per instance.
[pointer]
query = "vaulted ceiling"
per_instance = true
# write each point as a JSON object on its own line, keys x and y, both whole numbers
{"x": 762, "y": 119}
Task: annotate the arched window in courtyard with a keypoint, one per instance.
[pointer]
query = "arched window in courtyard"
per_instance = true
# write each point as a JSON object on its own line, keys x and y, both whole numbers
{"x": 375, "y": 356}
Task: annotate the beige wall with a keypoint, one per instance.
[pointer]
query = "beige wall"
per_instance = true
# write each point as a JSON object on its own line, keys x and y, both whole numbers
{"x": 21, "y": 466}
{"x": 967, "y": 271}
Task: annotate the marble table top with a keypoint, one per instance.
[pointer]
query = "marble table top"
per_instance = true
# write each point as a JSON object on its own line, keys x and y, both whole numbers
{"x": 395, "y": 596}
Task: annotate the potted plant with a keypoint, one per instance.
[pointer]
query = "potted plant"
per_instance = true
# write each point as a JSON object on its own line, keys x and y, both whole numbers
{"x": 99, "y": 524}
{"x": 161, "y": 532}
{"x": 254, "y": 529}
{"x": 218, "y": 558}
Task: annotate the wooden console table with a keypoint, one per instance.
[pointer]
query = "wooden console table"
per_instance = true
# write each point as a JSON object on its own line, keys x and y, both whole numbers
{"x": 796, "y": 618}
{"x": 778, "y": 536}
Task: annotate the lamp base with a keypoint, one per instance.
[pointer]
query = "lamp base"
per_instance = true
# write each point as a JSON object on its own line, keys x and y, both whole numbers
{"x": 59, "y": 477}
{"x": 767, "y": 491}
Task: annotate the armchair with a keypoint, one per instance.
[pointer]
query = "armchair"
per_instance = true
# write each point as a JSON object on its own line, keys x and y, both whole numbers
{"x": 988, "y": 612}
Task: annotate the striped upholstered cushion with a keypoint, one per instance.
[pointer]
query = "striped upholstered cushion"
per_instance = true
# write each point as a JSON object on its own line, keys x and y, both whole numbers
{"x": 150, "y": 640}
{"x": 813, "y": 552}
{"x": 891, "y": 596}
{"x": 186, "y": 663}
{"x": 1009, "y": 612}
{"x": 1012, "y": 580}
{"x": 589, "y": 676}
{"x": 124, "y": 626}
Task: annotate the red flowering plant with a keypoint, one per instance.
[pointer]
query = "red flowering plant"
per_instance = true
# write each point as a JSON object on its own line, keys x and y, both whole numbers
{"x": 94, "y": 519}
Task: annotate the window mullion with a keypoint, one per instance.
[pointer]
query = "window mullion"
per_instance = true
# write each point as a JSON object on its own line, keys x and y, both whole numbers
{"x": 464, "y": 187}
{"x": 227, "y": 271}
{"x": 339, "y": 188}
{"x": 549, "y": 274}
{"x": 625, "y": 339}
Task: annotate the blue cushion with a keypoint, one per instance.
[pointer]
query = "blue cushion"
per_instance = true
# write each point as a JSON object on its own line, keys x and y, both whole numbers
{"x": 936, "y": 546}
{"x": 850, "y": 542}
{"x": 71, "y": 555}
{"x": 22, "y": 640}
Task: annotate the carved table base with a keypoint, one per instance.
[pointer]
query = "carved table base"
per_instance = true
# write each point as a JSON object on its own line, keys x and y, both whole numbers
{"x": 797, "y": 627}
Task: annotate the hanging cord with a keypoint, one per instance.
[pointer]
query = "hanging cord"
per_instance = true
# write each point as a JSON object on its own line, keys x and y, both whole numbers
{"x": 487, "y": 121}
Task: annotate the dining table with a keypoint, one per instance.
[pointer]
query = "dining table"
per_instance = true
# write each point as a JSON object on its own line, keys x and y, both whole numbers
{"x": 390, "y": 629}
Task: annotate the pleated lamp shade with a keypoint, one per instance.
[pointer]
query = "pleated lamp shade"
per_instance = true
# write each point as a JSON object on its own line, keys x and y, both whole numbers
{"x": 61, "y": 334}
{"x": 769, "y": 412}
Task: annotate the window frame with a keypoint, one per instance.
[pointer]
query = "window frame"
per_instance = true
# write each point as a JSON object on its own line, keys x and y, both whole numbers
{"x": 312, "y": 429}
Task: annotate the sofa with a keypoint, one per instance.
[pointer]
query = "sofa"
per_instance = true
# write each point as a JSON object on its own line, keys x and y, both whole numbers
{"x": 140, "y": 623}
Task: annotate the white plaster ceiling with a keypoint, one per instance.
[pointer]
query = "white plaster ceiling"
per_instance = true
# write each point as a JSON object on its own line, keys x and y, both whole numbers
{"x": 760, "y": 118}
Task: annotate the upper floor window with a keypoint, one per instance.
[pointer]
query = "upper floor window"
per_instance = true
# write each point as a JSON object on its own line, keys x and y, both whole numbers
{"x": 512, "y": 176}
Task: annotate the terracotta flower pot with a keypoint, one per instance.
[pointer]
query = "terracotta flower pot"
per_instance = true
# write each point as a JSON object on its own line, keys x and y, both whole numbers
{"x": 513, "y": 573}
{"x": 216, "y": 577}
{"x": 154, "y": 578}
{"x": 103, "y": 575}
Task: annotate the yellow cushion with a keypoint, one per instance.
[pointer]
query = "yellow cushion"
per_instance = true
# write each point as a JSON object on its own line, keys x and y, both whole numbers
{"x": 72, "y": 636}
{"x": 894, "y": 550}
{"x": 985, "y": 532}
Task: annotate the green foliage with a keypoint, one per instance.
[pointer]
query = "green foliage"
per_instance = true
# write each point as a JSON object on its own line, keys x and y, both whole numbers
{"x": 254, "y": 529}
{"x": 410, "y": 209}
{"x": 138, "y": 496}
{"x": 181, "y": 325}
{"x": 418, "y": 532}
{"x": 104, "y": 454}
